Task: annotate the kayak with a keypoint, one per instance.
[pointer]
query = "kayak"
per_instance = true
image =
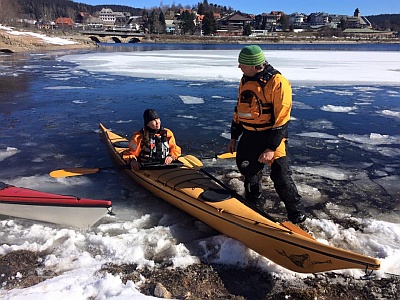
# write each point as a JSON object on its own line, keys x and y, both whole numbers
{"x": 53, "y": 208}
{"x": 191, "y": 188}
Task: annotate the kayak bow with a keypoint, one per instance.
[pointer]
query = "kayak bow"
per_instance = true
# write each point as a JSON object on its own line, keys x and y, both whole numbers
{"x": 190, "y": 188}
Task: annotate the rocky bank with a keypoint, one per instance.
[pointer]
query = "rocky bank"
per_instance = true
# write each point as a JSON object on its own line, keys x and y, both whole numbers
{"x": 205, "y": 281}
{"x": 11, "y": 43}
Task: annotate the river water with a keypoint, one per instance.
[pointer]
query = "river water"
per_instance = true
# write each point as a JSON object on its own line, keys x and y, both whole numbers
{"x": 343, "y": 146}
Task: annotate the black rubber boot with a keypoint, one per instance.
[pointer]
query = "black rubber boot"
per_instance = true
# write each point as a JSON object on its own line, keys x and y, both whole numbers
{"x": 253, "y": 188}
{"x": 287, "y": 191}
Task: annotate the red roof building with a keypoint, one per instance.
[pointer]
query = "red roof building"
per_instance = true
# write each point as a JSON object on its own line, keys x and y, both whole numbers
{"x": 64, "y": 21}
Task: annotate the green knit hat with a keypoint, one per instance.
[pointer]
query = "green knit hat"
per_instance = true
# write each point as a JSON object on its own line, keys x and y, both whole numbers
{"x": 251, "y": 56}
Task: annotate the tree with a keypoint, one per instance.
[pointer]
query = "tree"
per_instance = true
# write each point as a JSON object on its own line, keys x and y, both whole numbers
{"x": 146, "y": 21}
{"x": 8, "y": 10}
{"x": 385, "y": 22}
{"x": 247, "y": 29}
{"x": 161, "y": 19}
{"x": 188, "y": 25}
{"x": 343, "y": 23}
{"x": 209, "y": 24}
{"x": 155, "y": 24}
{"x": 285, "y": 22}
{"x": 200, "y": 9}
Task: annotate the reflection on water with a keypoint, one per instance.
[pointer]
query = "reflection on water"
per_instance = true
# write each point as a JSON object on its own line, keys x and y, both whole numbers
{"x": 14, "y": 93}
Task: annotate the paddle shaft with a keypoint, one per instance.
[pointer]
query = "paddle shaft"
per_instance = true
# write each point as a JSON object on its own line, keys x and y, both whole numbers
{"x": 288, "y": 225}
{"x": 86, "y": 171}
{"x": 238, "y": 196}
{"x": 226, "y": 155}
{"x": 70, "y": 172}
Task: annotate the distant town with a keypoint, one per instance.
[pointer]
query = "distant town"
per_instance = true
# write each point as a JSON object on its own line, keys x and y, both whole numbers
{"x": 212, "y": 20}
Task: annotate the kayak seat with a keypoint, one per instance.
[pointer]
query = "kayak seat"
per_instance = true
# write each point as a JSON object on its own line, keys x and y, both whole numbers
{"x": 215, "y": 195}
{"x": 3, "y": 185}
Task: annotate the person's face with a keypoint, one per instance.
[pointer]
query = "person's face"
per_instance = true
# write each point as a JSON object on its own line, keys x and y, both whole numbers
{"x": 155, "y": 124}
{"x": 248, "y": 70}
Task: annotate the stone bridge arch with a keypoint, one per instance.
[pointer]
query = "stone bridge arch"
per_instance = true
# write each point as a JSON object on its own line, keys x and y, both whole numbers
{"x": 115, "y": 39}
{"x": 110, "y": 36}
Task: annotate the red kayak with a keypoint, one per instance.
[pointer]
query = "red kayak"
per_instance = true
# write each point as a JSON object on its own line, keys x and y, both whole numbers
{"x": 54, "y": 208}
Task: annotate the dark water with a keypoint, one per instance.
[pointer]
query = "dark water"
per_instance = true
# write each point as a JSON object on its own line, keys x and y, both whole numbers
{"x": 296, "y": 46}
{"x": 50, "y": 112}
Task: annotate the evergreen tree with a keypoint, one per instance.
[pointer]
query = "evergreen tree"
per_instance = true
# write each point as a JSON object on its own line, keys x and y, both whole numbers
{"x": 154, "y": 21}
{"x": 209, "y": 24}
{"x": 200, "y": 9}
{"x": 188, "y": 25}
{"x": 146, "y": 22}
{"x": 161, "y": 20}
{"x": 284, "y": 22}
{"x": 247, "y": 29}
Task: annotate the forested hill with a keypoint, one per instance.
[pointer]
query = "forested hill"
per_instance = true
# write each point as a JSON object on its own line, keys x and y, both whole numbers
{"x": 385, "y": 21}
{"x": 52, "y": 9}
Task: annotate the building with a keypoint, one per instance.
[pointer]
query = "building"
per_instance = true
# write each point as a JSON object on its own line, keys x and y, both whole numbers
{"x": 266, "y": 21}
{"x": 107, "y": 16}
{"x": 170, "y": 27}
{"x": 233, "y": 24}
{"x": 318, "y": 19}
{"x": 82, "y": 17}
{"x": 297, "y": 19}
{"x": 356, "y": 21}
{"x": 64, "y": 22}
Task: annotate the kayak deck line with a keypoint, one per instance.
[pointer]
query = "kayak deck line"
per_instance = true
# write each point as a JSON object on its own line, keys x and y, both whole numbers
{"x": 37, "y": 203}
{"x": 16, "y": 195}
{"x": 210, "y": 202}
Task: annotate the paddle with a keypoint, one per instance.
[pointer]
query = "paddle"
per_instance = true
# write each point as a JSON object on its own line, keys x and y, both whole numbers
{"x": 193, "y": 162}
{"x": 221, "y": 156}
{"x": 83, "y": 171}
{"x": 70, "y": 172}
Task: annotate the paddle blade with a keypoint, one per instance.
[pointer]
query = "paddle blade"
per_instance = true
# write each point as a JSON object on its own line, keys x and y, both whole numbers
{"x": 194, "y": 161}
{"x": 226, "y": 155}
{"x": 73, "y": 172}
{"x": 186, "y": 162}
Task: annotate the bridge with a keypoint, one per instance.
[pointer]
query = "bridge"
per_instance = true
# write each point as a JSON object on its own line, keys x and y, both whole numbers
{"x": 117, "y": 36}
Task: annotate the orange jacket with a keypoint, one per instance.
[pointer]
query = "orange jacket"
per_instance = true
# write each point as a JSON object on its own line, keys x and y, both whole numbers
{"x": 276, "y": 95}
{"x": 136, "y": 145}
{"x": 273, "y": 102}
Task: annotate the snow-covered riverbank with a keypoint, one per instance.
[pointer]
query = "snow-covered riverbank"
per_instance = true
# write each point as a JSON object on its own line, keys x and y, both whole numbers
{"x": 17, "y": 41}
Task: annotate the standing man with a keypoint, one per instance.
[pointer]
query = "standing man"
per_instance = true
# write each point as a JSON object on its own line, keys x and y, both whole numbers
{"x": 261, "y": 120}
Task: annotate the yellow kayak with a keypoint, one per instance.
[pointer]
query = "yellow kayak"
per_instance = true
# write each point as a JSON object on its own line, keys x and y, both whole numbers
{"x": 195, "y": 191}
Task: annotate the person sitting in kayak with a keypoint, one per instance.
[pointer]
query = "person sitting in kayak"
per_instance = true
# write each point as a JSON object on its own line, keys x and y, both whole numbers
{"x": 152, "y": 143}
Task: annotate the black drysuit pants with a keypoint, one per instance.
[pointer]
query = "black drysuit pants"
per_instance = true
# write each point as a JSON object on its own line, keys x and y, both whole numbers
{"x": 250, "y": 147}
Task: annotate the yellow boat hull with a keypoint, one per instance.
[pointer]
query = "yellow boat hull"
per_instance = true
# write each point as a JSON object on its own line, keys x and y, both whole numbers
{"x": 200, "y": 196}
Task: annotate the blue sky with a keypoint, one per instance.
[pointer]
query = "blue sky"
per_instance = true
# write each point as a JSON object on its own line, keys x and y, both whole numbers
{"x": 344, "y": 7}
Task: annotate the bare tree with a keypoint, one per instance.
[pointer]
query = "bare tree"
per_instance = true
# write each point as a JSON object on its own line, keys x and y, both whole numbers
{"x": 8, "y": 10}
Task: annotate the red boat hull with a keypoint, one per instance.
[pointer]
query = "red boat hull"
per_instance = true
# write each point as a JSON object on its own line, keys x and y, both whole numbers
{"x": 17, "y": 195}
{"x": 53, "y": 208}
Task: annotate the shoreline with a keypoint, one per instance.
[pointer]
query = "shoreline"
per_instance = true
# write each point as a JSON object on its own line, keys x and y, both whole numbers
{"x": 262, "y": 40}
{"x": 25, "y": 43}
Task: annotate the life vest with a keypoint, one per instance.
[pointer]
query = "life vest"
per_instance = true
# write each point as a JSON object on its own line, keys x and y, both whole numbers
{"x": 156, "y": 149}
{"x": 254, "y": 110}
